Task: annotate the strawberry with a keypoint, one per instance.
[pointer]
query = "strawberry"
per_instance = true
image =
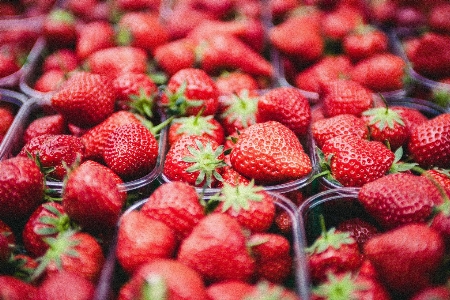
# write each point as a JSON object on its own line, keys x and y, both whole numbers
{"x": 229, "y": 290}
{"x": 65, "y": 286}
{"x": 131, "y": 151}
{"x": 440, "y": 292}
{"x": 343, "y": 124}
{"x": 8, "y": 63}
{"x": 164, "y": 278}
{"x": 264, "y": 289}
{"x": 359, "y": 229}
{"x": 6, "y": 119}
{"x": 345, "y": 97}
{"x": 338, "y": 23}
{"x": 380, "y": 73}
{"x": 72, "y": 251}
{"x": 364, "y": 42}
{"x": 189, "y": 91}
{"x": 55, "y": 151}
{"x": 216, "y": 248}
{"x": 399, "y": 198}
{"x": 142, "y": 30}
{"x": 112, "y": 61}
{"x": 270, "y": 153}
{"x": 437, "y": 18}
{"x": 47, "y": 220}
{"x": 429, "y": 143}
{"x": 15, "y": 289}
{"x": 355, "y": 161}
{"x": 407, "y": 257}
{"x": 234, "y": 82}
{"x": 93, "y": 36}
{"x": 217, "y": 9}
{"x": 21, "y": 188}
{"x": 94, "y": 204}
{"x": 272, "y": 253}
{"x": 59, "y": 28}
{"x": 196, "y": 160}
{"x": 49, "y": 81}
{"x": 288, "y": 106}
{"x": 232, "y": 177}
{"x": 127, "y": 5}
{"x": 175, "y": 55}
{"x": 198, "y": 126}
{"x": 50, "y": 124}
{"x": 332, "y": 252}
{"x": 141, "y": 239}
{"x": 411, "y": 117}
{"x": 7, "y": 232}
{"x": 85, "y": 99}
{"x": 63, "y": 59}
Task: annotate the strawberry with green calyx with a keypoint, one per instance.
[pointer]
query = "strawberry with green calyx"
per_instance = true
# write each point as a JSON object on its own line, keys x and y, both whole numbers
{"x": 229, "y": 290}
{"x": 252, "y": 207}
{"x": 232, "y": 177}
{"x": 264, "y": 290}
{"x": 235, "y": 82}
{"x": 64, "y": 60}
{"x": 196, "y": 160}
{"x": 59, "y": 28}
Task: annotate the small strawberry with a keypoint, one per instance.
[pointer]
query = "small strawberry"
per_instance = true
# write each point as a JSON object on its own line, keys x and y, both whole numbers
{"x": 6, "y": 119}
{"x": 263, "y": 289}
{"x": 407, "y": 257}
{"x": 85, "y": 99}
{"x": 49, "y": 81}
{"x": 8, "y": 63}
{"x": 59, "y": 28}
{"x": 196, "y": 125}
{"x": 399, "y": 198}
{"x": 364, "y": 42}
{"x": 412, "y": 117}
{"x": 50, "y": 124}
{"x": 216, "y": 248}
{"x": 232, "y": 177}
{"x": 63, "y": 59}
{"x": 359, "y": 229}
{"x": 234, "y": 82}
{"x": 175, "y": 55}
{"x": 141, "y": 239}
{"x": 338, "y": 23}
{"x": 93, "y": 36}
{"x": 65, "y": 286}
{"x": 270, "y": 153}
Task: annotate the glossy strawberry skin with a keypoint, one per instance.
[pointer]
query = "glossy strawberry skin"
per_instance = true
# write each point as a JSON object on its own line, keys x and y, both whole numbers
{"x": 359, "y": 229}
{"x": 130, "y": 83}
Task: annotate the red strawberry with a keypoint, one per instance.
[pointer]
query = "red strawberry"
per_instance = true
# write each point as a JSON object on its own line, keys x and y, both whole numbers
{"x": 288, "y": 106}
{"x": 8, "y": 64}
{"x": 406, "y": 258}
{"x": 63, "y": 59}
{"x": 189, "y": 91}
{"x": 142, "y": 30}
{"x": 196, "y": 125}
{"x": 440, "y": 292}
{"x": 55, "y": 151}
{"x": 253, "y": 208}
{"x": 355, "y": 161}
{"x": 364, "y": 42}
{"x": 170, "y": 278}
{"x": 196, "y": 160}
{"x": 336, "y": 24}
{"x": 85, "y": 99}
{"x": 270, "y": 153}
{"x": 93, "y": 204}
{"x": 141, "y": 239}
{"x": 177, "y": 204}
{"x": 6, "y": 119}
{"x": 215, "y": 8}
{"x": 216, "y": 248}
{"x": 51, "y": 124}
{"x": 50, "y": 81}
{"x": 21, "y": 188}
{"x": 429, "y": 143}
{"x": 93, "y": 36}
{"x": 411, "y": 117}
{"x": 438, "y": 18}
{"x": 65, "y": 286}
{"x": 47, "y": 220}
{"x": 16, "y": 289}
{"x": 273, "y": 291}
{"x": 344, "y": 124}
{"x": 229, "y": 290}
{"x": 272, "y": 253}
{"x": 7, "y": 232}
{"x": 232, "y": 177}
{"x": 59, "y": 28}
{"x": 131, "y": 151}
{"x": 399, "y": 198}
{"x": 333, "y": 251}
{"x": 234, "y": 82}
{"x": 345, "y": 97}
{"x": 359, "y": 229}
{"x": 175, "y": 55}
{"x": 380, "y": 73}
{"x": 126, "y": 5}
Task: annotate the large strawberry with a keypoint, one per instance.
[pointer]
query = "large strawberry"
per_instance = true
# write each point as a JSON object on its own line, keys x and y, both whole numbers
{"x": 406, "y": 258}
{"x": 270, "y": 153}
{"x": 141, "y": 239}
{"x": 216, "y": 248}
{"x": 65, "y": 286}
{"x": 399, "y": 198}
{"x": 85, "y": 99}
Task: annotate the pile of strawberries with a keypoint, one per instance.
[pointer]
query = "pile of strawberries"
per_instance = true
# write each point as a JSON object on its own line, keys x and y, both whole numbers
{"x": 222, "y": 117}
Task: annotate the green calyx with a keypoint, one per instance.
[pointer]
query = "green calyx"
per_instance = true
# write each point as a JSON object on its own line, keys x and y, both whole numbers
{"x": 60, "y": 222}
{"x": 241, "y": 108}
{"x": 266, "y": 291}
{"x": 342, "y": 288}
{"x": 178, "y": 103}
{"x": 142, "y": 104}
{"x": 154, "y": 288}
{"x": 195, "y": 125}
{"x": 328, "y": 239}
{"x": 237, "y": 197}
{"x": 206, "y": 161}
{"x": 383, "y": 117}
{"x": 61, "y": 15}
{"x": 124, "y": 37}
{"x": 399, "y": 166}
{"x": 441, "y": 97}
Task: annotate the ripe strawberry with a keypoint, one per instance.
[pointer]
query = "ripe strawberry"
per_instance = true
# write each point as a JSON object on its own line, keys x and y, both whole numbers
{"x": 232, "y": 177}
{"x": 49, "y": 81}
{"x": 142, "y": 30}
{"x": 344, "y": 124}
{"x": 338, "y": 23}
{"x": 59, "y": 28}
{"x": 55, "y": 151}
{"x": 364, "y": 42}
{"x": 113, "y": 61}
{"x": 288, "y": 106}
{"x": 86, "y": 99}
{"x": 333, "y": 251}
{"x": 429, "y": 143}
{"x": 131, "y": 151}
{"x": 72, "y": 251}
{"x": 359, "y": 229}
{"x": 272, "y": 291}
{"x": 50, "y": 124}
{"x": 216, "y": 248}
{"x": 217, "y": 9}
{"x": 15, "y": 289}
{"x": 440, "y": 292}
{"x": 189, "y": 91}
{"x": 438, "y": 18}
{"x": 198, "y": 126}
{"x": 6, "y": 119}
{"x": 47, "y": 220}
{"x": 272, "y": 253}
{"x": 196, "y": 160}
{"x": 93, "y": 36}
{"x": 8, "y": 64}
{"x": 407, "y": 257}
{"x": 235, "y": 82}
{"x": 127, "y": 5}
{"x": 253, "y": 208}
{"x": 65, "y": 286}
{"x": 175, "y": 55}
{"x": 94, "y": 204}
{"x": 164, "y": 278}
{"x": 63, "y": 59}
{"x": 411, "y": 117}
{"x": 21, "y": 189}
{"x": 399, "y": 198}
{"x": 270, "y": 153}
{"x": 141, "y": 239}
{"x": 345, "y": 97}
{"x": 229, "y": 290}
{"x": 380, "y": 73}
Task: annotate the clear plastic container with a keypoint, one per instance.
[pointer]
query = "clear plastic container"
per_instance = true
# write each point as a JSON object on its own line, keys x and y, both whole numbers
{"x": 113, "y": 277}
{"x": 13, "y": 144}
